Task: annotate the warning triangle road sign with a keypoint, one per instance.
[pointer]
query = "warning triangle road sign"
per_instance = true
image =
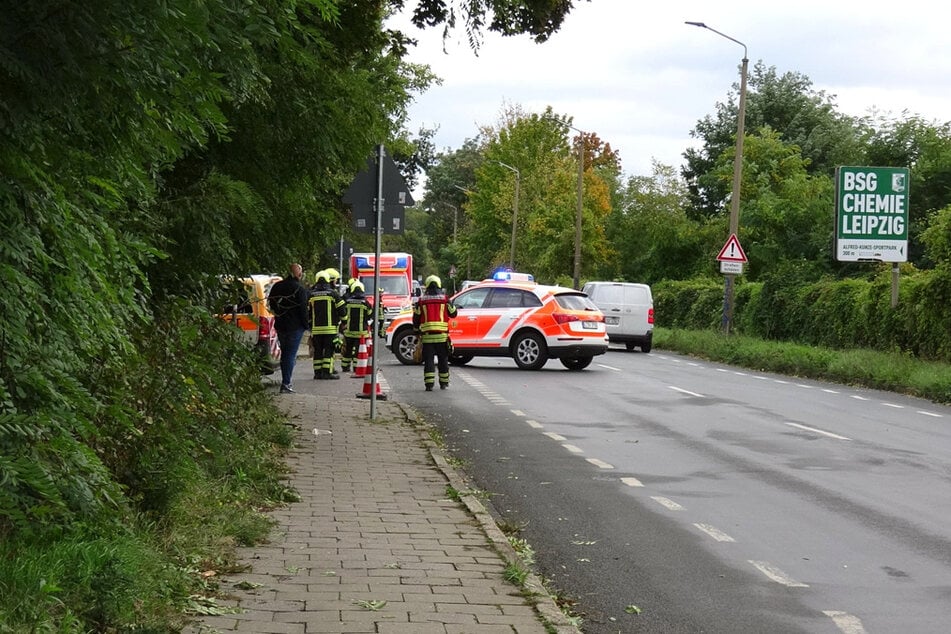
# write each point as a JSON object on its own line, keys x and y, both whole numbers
{"x": 732, "y": 251}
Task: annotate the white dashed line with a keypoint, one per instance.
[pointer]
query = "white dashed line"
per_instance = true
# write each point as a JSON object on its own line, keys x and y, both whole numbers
{"x": 535, "y": 424}
{"x": 741, "y": 374}
{"x": 804, "y": 386}
{"x": 554, "y": 436}
{"x": 573, "y": 448}
{"x": 517, "y": 412}
{"x": 924, "y": 413}
{"x": 893, "y": 405}
{"x": 818, "y": 431}
{"x": 846, "y": 622}
{"x": 600, "y": 464}
{"x": 715, "y": 533}
{"x": 781, "y": 382}
{"x": 828, "y": 391}
{"x": 683, "y": 391}
{"x": 761, "y": 378}
{"x": 724, "y": 370}
{"x": 632, "y": 482}
{"x": 667, "y": 503}
{"x": 777, "y": 575}
{"x": 858, "y": 397}
{"x": 609, "y": 367}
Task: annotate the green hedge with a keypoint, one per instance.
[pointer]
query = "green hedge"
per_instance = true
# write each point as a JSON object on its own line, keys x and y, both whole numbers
{"x": 839, "y": 314}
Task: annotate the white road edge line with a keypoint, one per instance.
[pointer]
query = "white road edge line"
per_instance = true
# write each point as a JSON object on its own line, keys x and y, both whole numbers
{"x": 776, "y": 574}
{"x": 847, "y": 623}
{"x": 893, "y": 405}
{"x": 924, "y": 413}
{"x": 632, "y": 482}
{"x": 517, "y": 412}
{"x": 554, "y": 436}
{"x": 600, "y": 464}
{"x": 715, "y": 533}
{"x": 667, "y": 503}
{"x": 608, "y": 367}
{"x": 535, "y": 424}
{"x": 572, "y": 448}
{"x": 818, "y": 431}
{"x": 683, "y": 391}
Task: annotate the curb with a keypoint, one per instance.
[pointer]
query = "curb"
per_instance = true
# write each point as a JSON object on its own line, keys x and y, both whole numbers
{"x": 533, "y": 587}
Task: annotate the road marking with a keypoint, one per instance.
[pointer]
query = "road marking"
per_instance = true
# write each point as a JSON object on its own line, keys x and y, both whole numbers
{"x": 828, "y": 391}
{"x": 609, "y": 367}
{"x": 777, "y": 575}
{"x": 847, "y": 623}
{"x": 715, "y": 533}
{"x": 573, "y": 448}
{"x": 781, "y": 381}
{"x": 803, "y": 385}
{"x": 632, "y": 482}
{"x": 535, "y": 424}
{"x": 600, "y": 464}
{"x": 929, "y": 414}
{"x": 741, "y": 373}
{"x": 722, "y": 370}
{"x": 858, "y": 398}
{"x": 761, "y": 378}
{"x": 893, "y": 405}
{"x": 517, "y": 412}
{"x": 683, "y": 391}
{"x": 694, "y": 364}
{"x": 818, "y": 431}
{"x": 554, "y": 436}
{"x": 667, "y": 503}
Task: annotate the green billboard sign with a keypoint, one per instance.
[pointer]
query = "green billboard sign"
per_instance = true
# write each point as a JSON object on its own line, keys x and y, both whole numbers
{"x": 871, "y": 214}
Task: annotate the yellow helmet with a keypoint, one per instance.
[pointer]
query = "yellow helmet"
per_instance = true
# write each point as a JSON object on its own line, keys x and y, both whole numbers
{"x": 332, "y": 275}
{"x": 433, "y": 279}
{"x": 321, "y": 277}
{"x": 357, "y": 285}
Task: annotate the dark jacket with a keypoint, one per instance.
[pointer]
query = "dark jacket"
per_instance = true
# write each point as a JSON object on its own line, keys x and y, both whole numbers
{"x": 288, "y": 301}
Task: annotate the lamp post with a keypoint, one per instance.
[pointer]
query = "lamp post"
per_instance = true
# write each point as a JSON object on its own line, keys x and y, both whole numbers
{"x": 737, "y": 174}
{"x": 518, "y": 178}
{"x": 455, "y": 220}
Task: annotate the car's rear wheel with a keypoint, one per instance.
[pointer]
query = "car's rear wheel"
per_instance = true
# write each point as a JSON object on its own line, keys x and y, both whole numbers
{"x": 530, "y": 352}
{"x": 576, "y": 363}
{"x": 404, "y": 344}
{"x": 460, "y": 359}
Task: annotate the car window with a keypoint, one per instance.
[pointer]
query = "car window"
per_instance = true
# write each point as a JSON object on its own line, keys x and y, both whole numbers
{"x": 471, "y": 299}
{"x": 512, "y": 298}
{"x": 575, "y": 301}
{"x": 635, "y": 295}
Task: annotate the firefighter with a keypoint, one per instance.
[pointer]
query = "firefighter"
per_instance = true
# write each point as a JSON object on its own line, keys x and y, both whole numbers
{"x": 357, "y": 315}
{"x": 326, "y": 310}
{"x": 431, "y": 316}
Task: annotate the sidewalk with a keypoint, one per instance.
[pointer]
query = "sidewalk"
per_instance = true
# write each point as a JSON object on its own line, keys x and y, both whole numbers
{"x": 376, "y": 544}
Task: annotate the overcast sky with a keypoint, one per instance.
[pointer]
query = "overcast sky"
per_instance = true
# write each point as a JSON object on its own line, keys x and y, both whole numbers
{"x": 634, "y": 73}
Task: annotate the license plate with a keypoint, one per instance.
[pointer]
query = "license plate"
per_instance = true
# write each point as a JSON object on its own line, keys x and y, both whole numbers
{"x": 612, "y": 321}
{"x": 589, "y": 325}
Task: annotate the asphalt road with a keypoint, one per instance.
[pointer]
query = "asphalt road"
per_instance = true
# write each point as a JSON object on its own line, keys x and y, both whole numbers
{"x": 713, "y": 499}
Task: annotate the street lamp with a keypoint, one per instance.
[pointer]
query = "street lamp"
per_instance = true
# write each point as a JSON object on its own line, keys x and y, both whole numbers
{"x": 518, "y": 178}
{"x": 737, "y": 173}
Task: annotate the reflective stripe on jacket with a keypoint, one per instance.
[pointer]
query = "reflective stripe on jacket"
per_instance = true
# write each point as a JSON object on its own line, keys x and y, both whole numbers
{"x": 325, "y": 311}
{"x": 431, "y": 315}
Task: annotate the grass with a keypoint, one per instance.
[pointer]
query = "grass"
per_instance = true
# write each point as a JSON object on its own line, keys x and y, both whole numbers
{"x": 893, "y": 371}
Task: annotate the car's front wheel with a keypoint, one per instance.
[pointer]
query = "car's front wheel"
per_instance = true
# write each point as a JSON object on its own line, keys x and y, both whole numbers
{"x": 576, "y": 363}
{"x": 404, "y": 345}
{"x": 530, "y": 352}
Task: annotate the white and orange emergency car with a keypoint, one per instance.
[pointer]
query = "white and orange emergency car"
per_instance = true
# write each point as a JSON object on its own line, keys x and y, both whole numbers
{"x": 512, "y": 316}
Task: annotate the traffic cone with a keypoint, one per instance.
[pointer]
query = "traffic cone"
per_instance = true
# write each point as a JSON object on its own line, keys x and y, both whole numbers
{"x": 362, "y": 367}
{"x": 368, "y": 387}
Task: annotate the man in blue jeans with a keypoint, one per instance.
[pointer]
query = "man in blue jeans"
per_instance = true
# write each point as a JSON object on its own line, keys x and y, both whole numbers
{"x": 288, "y": 301}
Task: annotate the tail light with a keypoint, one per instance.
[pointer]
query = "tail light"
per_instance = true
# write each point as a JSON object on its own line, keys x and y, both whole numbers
{"x": 650, "y": 315}
{"x": 564, "y": 318}
{"x": 265, "y": 328}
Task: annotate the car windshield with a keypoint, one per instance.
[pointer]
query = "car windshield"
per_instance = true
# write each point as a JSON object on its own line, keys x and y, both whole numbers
{"x": 391, "y": 284}
{"x": 575, "y": 301}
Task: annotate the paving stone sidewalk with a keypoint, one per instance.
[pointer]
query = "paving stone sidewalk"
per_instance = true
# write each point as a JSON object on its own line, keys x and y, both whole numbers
{"x": 377, "y": 543}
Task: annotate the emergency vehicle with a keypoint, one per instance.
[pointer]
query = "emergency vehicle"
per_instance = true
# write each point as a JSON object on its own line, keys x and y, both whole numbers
{"x": 396, "y": 280}
{"x": 252, "y": 316}
{"x": 512, "y": 316}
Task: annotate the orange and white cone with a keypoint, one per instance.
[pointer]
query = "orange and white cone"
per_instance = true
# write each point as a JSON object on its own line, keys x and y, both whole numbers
{"x": 368, "y": 387}
{"x": 363, "y": 367}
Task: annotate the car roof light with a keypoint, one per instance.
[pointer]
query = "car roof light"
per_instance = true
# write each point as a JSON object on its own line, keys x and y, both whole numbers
{"x": 512, "y": 276}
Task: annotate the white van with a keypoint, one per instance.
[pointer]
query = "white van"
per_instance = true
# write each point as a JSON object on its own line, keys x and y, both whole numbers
{"x": 628, "y": 312}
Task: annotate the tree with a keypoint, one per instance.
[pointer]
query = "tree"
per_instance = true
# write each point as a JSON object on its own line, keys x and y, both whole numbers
{"x": 787, "y": 104}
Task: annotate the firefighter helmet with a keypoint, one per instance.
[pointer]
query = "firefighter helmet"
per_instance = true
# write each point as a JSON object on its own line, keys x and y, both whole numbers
{"x": 433, "y": 280}
{"x": 332, "y": 275}
{"x": 321, "y": 276}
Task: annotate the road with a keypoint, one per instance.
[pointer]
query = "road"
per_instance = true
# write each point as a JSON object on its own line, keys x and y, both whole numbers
{"x": 713, "y": 499}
